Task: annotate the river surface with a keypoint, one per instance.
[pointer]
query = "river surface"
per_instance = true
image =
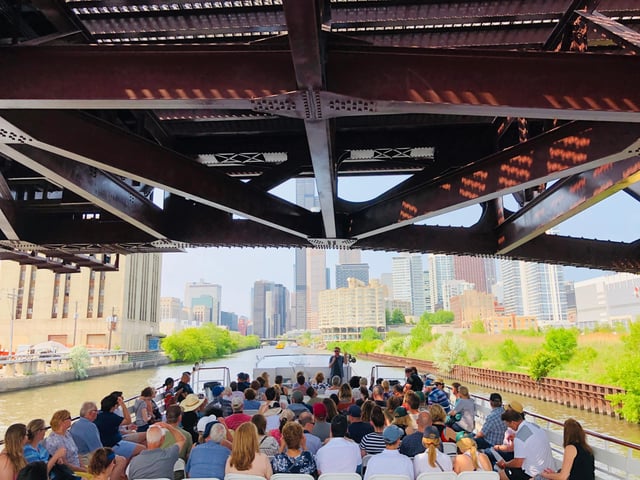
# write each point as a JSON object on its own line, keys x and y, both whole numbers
{"x": 41, "y": 402}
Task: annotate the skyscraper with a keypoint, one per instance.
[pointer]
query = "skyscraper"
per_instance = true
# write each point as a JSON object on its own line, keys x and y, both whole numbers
{"x": 316, "y": 283}
{"x": 440, "y": 270}
{"x": 408, "y": 282}
{"x": 205, "y": 298}
{"x": 353, "y": 270}
{"x": 472, "y": 270}
{"x": 535, "y": 289}
{"x": 270, "y": 307}
{"x": 306, "y": 198}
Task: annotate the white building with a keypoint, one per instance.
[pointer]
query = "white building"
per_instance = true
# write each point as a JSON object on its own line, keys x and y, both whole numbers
{"x": 345, "y": 312}
{"x": 608, "y": 300}
{"x": 441, "y": 269}
{"x": 408, "y": 283}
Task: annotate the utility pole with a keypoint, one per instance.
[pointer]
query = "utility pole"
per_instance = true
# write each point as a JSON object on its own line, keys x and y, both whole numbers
{"x": 13, "y": 296}
{"x": 75, "y": 324}
{"x": 111, "y": 322}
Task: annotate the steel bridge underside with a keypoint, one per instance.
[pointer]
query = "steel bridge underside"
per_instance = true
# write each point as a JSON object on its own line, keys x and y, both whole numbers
{"x": 214, "y": 104}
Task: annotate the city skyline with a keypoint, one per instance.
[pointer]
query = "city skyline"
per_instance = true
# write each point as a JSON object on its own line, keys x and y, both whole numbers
{"x": 236, "y": 269}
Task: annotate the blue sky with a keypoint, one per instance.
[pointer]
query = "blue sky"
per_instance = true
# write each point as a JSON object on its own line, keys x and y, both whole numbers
{"x": 236, "y": 269}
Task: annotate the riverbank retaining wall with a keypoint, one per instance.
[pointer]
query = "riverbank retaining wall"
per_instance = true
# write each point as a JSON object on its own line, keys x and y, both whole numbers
{"x": 62, "y": 373}
{"x": 585, "y": 396}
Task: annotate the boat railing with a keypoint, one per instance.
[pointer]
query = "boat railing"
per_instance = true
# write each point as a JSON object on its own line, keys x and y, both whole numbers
{"x": 203, "y": 377}
{"x": 615, "y": 458}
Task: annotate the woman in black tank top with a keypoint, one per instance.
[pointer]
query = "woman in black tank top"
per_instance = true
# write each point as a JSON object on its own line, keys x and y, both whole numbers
{"x": 577, "y": 462}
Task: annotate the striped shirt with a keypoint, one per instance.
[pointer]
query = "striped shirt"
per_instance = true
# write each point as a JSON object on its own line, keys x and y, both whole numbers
{"x": 372, "y": 443}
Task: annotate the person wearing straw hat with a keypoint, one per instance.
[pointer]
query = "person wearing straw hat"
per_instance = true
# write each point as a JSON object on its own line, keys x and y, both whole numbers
{"x": 190, "y": 406}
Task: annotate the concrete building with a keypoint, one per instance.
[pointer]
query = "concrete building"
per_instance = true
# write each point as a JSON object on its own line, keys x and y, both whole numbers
{"x": 345, "y": 312}
{"x": 270, "y": 309}
{"x": 345, "y": 271}
{"x": 205, "y": 299}
{"x": 317, "y": 281}
{"x": 173, "y": 316}
{"x": 609, "y": 300}
{"x": 505, "y": 323}
{"x": 470, "y": 306}
{"x": 408, "y": 282}
{"x": 440, "y": 271}
{"x": 229, "y": 320}
{"x": 117, "y": 309}
{"x": 453, "y": 288}
{"x": 471, "y": 270}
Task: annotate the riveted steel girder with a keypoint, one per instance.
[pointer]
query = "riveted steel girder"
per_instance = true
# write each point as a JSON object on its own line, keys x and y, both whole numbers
{"x": 564, "y": 200}
{"x": 103, "y": 190}
{"x": 566, "y": 150}
{"x": 95, "y": 143}
{"x": 457, "y": 82}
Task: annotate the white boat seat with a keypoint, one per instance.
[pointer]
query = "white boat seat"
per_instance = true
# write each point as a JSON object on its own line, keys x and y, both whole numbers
{"x": 478, "y": 476}
{"x": 437, "y": 476}
{"x": 340, "y": 476}
{"x": 291, "y": 476}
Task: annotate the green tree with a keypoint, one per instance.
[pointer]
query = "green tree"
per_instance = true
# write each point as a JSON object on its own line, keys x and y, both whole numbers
{"x": 542, "y": 363}
{"x": 397, "y": 318}
{"x": 420, "y": 334}
{"x": 562, "y": 342}
{"x": 510, "y": 353}
{"x": 477, "y": 326}
{"x": 626, "y": 374}
{"x": 207, "y": 341}
{"x": 441, "y": 317}
{"x": 80, "y": 361}
{"x": 447, "y": 350}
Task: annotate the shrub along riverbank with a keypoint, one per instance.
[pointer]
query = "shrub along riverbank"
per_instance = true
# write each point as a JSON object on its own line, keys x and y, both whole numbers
{"x": 602, "y": 357}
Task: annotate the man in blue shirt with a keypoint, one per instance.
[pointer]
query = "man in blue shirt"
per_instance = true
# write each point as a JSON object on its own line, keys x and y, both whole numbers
{"x": 439, "y": 396}
{"x": 336, "y": 364}
{"x": 209, "y": 459}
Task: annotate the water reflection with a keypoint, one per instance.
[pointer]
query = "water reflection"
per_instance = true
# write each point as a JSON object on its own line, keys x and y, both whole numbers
{"x": 41, "y": 402}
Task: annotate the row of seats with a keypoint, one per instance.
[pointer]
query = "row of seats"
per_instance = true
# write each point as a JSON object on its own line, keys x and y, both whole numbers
{"x": 355, "y": 476}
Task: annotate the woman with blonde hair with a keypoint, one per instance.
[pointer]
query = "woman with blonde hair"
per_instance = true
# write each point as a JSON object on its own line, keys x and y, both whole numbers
{"x": 438, "y": 418}
{"x": 245, "y": 456}
{"x": 12, "y": 457}
{"x": 469, "y": 459}
{"x": 265, "y": 377}
{"x": 60, "y": 436}
{"x": 432, "y": 459}
{"x": 577, "y": 461}
{"x": 102, "y": 463}
{"x": 34, "y": 450}
{"x": 345, "y": 397}
{"x": 402, "y": 419}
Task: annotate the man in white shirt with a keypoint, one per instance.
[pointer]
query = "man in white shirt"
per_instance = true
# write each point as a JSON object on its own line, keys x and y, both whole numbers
{"x": 339, "y": 454}
{"x": 390, "y": 461}
{"x": 531, "y": 449}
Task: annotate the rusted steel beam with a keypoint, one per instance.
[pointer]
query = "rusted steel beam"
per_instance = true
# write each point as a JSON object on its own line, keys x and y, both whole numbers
{"x": 304, "y": 26}
{"x": 625, "y": 37}
{"x": 557, "y": 85}
{"x": 140, "y": 77}
{"x": 103, "y": 190}
{"x": 467, "y": 82}
{"x": 564, "y": 200}
{"x": 564, "y": 151}
{"x": 561, "y": 33}
{"x": 95, "y": 143}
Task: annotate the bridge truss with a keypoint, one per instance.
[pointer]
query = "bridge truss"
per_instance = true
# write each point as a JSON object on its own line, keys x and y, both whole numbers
{"x": 215, "y": 103}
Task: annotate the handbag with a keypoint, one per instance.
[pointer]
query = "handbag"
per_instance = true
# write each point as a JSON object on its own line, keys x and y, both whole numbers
{"x": 60, "y": 471}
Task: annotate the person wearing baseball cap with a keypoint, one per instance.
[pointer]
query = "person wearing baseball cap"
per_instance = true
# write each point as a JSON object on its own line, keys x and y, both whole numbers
{"x": 433, "y": 459}
{"x": 357, "y": 428}
{"x": 236, "y": 419}
{"x": 390, "y": 461}
{"x": 493, "y": 429}
{"x": 321, "y": 429}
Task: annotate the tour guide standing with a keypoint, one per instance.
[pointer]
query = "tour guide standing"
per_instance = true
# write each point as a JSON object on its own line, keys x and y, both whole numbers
{"x": 336, "y": 364}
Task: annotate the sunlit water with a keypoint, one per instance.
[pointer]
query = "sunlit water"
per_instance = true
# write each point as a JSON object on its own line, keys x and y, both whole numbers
{"x": 41, "y": 402}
